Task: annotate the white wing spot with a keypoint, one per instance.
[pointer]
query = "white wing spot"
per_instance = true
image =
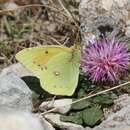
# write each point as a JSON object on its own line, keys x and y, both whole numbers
{"x": 56, "y": 73}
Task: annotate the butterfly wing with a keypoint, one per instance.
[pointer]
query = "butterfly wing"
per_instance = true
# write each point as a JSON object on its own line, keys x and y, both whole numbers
{"x": 35, "y": 58}
{"x": 61, "y": 74}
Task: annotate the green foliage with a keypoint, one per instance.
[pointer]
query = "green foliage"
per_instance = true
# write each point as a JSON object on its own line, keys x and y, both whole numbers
{"x": 105, "y": 100}
{"x": 92, "y": 116}
{"x": 90, "y": 110}
{"x": 75, "y": 117}
{"x": 87, "y": 85}
{"x": 80, "y": 105}
{"x": 16, "y": 30}
{"x": 81, "y": 93}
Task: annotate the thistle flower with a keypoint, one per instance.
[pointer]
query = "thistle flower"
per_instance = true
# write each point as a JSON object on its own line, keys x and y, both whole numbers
{"x": 105, "y": 60}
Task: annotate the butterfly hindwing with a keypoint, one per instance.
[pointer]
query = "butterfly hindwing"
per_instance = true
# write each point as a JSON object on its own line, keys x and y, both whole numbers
{"x": 61, "y": 74}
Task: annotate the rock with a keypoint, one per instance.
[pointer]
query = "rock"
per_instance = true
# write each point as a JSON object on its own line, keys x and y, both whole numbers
{"x": 75, "y": 117}
{"x": 20, "y": 121}
{"x": 60, "y": 104}
{"x": 117, "y": 121}
{"x": 98, "y": 16}
{"x": 14, "y": 93}
{"x": 45, "y": 2}
{"x": 122, "y": 101}
{"x": 55, "y": 119}
{"x": 10, "y": 5}
{"x": 120, "y": 118}
{"x": 47, "y": 125}
{"x": 18, "y": 69}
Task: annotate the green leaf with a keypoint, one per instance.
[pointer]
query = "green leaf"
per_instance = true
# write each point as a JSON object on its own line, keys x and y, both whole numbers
{"x": 92, "y": 116}
{"x": 81, "y": 93}
{"x": 73, "y": 118}
{"x": 80, "y": 105}
{"x": 106, "y": 99}
{"x": 103, "y": 100}
{"x": 7, "y": 26}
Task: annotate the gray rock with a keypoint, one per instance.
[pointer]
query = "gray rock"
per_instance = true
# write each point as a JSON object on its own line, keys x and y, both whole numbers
{"x": 10, "y": 5}
{"x": 103, "y": 14}
{"x": 20, "y": 121}
{"x": 44, "y": 2}
{"x": 14, "y": 93}
{"x": 18, "y": 69}
{"x": 47, "y": 125}
{"x": 55, "y": 119}
{"x": 121, "y": 102}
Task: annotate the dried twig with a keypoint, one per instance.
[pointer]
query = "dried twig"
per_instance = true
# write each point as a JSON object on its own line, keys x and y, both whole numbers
{"x": 68, "y": 12}
{"x": 32, "y": 5}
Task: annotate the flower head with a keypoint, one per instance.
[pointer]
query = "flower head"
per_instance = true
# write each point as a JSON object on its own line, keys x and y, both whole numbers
{"x": 105, "y": 60}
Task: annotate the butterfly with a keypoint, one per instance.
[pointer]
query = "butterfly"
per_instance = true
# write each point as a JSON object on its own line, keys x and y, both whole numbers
{"x": 56, "y": 66}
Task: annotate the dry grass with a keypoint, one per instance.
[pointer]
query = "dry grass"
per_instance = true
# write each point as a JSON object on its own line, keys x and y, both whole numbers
{"x": 37, "y": 24}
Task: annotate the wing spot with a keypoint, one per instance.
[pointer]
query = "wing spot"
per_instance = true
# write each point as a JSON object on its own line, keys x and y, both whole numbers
{"x": 56, "y": 73}
{"x": 41, "y": 68}
{"x": 45, "y": 67}
{"x": 39, "y": 65}
{"x": 46, "y": 52}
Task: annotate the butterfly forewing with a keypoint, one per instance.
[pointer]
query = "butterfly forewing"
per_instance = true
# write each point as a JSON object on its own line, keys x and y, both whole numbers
{"x": 36, "y": 58}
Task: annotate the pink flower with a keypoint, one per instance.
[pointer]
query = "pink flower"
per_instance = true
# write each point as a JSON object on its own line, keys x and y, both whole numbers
{"x": 105, "y": 60}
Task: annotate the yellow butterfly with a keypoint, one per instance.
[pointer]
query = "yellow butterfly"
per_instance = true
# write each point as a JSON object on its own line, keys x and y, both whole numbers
{"x": 57, "y": 67}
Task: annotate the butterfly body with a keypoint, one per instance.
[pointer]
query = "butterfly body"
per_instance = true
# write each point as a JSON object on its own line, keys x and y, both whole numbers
{"x": 57, "y": 67}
